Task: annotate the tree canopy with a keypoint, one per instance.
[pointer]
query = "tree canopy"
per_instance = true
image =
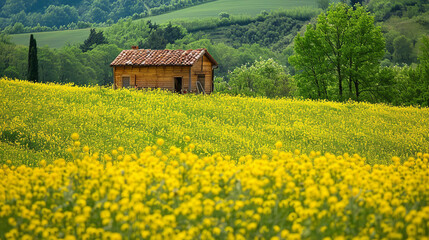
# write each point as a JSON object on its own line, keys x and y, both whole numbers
{"x": 95, "y": 38}
{"x": 33, "y": 64}
{"x": 341, "y": 51}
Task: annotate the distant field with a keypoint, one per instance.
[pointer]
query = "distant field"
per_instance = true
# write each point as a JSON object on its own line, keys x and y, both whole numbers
{"x": 58, "y": 39}
{"x": 246, "y": 7}
{"x": 54, "y": 39}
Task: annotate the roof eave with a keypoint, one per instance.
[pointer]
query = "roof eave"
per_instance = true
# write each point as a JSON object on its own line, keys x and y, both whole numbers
{"x": 207, "y": 54}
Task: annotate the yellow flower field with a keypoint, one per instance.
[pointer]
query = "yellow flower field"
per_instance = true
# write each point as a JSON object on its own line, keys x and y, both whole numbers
{"x": 166, "y": 192}
{"x": 36, "y": 121}
{"x": 221, "y": 167}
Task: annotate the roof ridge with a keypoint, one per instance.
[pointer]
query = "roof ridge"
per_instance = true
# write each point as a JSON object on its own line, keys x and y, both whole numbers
{"x": 160, "y": 57}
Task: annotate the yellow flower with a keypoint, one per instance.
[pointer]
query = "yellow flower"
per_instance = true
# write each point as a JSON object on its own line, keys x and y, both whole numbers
{"x": 160, "y": 142}
{"x": 75, "y": 136}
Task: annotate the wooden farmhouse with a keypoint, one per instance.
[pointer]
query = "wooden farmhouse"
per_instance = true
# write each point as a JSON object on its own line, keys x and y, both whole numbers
{"x": 176, "y": 70}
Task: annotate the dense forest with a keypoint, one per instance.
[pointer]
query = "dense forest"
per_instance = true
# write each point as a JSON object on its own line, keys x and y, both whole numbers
{"x": 283, "y": 53}
{"x": 17, "y": 16}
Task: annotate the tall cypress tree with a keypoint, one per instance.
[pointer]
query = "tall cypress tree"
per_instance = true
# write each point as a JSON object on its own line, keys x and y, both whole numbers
{"x": 33, "y": 65}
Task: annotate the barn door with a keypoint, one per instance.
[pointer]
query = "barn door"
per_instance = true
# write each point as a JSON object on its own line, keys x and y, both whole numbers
{"x": 125, "y": 82}
{"x": 201, "y": 83}
{"x": 178, "y": 84}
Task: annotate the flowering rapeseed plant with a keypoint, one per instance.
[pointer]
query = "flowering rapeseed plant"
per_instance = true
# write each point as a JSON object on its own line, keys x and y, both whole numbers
{"x": 166, "y": 192}
{"x": 36, "y": 120}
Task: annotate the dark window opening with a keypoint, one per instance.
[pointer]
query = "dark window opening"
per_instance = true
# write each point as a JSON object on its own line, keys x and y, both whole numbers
{"x": 125, "y": 82}
{"x": 178, "y": 84}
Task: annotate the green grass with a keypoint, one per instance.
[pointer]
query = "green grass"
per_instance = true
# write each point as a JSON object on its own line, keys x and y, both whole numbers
{"x": 236, "y": 7}
{"x": 38, "y": 119}
{"x": 57, "y": 39}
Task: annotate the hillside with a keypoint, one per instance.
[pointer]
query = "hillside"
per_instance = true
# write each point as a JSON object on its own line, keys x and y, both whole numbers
{"x": 54, "y": 39}
{"x": 58, "y": 39}
{"x": 237, "y": 7}
{"x": 38, "y": 120}
{"x": 59, "y": 13}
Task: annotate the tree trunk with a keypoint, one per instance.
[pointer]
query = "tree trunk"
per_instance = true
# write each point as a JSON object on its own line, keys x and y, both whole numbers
{"x": 317, "y": 84}
{"x": 350, "y": 79}
{"x": 340, "y": 81}
{"x": 357, "y": 90}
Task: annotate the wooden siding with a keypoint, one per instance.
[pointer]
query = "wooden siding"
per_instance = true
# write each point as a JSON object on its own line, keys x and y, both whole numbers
{"x": 163, "y": 76}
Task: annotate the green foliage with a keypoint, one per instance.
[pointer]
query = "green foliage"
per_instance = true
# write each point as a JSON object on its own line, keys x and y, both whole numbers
{"x": 262, "y": 78}
{"x": 94, "y": 39}
{"x": 60, "y": 15}
{"x": 224, "y": 15}
{"x": 315, "y": 77}
{"x": 323, "y": 4}
{"x": 128, "y": 33}
{"x": 228, "y": 57}
{"x": 236, "y": 7}
{"x": 384, "y": 9}
{"x": 66, "y": 65}
{"x": 33, "y": 64}
{"x": 63, "y": 13}
{"x": 402, "y": 50}
{"x": 159, "y": 37}
{"x": 273, "y": 30}
{"x": 344, "y": 47}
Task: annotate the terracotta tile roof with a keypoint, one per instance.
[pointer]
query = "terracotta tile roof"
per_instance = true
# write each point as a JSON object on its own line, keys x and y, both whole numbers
{"x": 148, "y": 57}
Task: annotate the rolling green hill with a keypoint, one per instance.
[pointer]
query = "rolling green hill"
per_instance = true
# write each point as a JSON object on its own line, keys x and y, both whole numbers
{"x": 58, "y": 39}
{"x": 246, "y": 7}
{"x": 54, "y": 39}
{"x": 39, "y": 119}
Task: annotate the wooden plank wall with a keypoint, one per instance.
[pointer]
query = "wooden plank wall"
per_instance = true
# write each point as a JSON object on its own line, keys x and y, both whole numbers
{"x": 202, "y": 66}
{"x": 163, "y": 76}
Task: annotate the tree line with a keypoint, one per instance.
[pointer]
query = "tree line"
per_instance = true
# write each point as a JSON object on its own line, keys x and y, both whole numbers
{"x": 18, "y": 16}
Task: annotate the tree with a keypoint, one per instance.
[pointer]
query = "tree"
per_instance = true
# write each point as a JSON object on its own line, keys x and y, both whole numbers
{"x": 262, "y": 78}
{"x": 354, "y": 2}
{"x": 224, "y": 15}
{"x": 344, "y": 45}
{"x": 424, "y": 69}
{"x": 94, "y": 39}
{"x": 363, "y": 52}
{"x": 155, "y": 40}
{"x": 323, "y": 4}
{"x": 314, "y": 78}
{"x": 60, "y": 15}
{"x": 33, "y": 66}
{"x": 402, "y": 49}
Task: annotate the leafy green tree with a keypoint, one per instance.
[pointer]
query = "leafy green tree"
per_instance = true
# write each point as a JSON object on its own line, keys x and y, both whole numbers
{"x": 95, "y": 38}
{"x": 262, "y": 78}
{"x": 314, "y": 76}
{"x": 402, "y": 50}
{"x": 224, "y": 15}
{"x": 364, "y": 50}
{"x": 354, "y": 2}
{"x": 345, "y": 45}
{"x": 60, "y": 15}
{"x": 424, "y": 70}
{"x": 160, "y": 37}
{"x": 33, "y": 65}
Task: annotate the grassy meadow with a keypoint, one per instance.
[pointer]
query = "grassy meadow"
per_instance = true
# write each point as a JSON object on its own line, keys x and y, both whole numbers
{"x": 54, "y": 39}
{"x": 156, "y": 165}
{"x": 38, "y": 119}
{"x": 238, "y": 7}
